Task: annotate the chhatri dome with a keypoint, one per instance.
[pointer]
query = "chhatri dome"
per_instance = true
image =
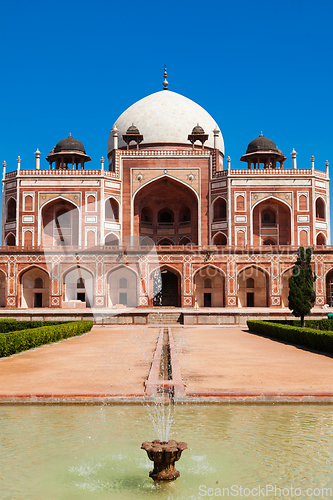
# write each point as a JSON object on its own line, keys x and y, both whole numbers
{"x": 166, "y": 117}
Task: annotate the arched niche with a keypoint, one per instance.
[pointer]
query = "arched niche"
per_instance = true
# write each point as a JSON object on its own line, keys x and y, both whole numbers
{"x": 10, "y": 240}
{"x": 111, "y": 240}
{"x": 271, "y": 220}
{"x": 2, "y": 289}
{"x": 220, "y": 239}
{"x": 165, "y": 208}
{"x": 146, "y": 241}
{"x": 60, "y": 224}
{"x": 79, "y": 285}
{"x": 166, "y": 283}
{"x": 320, "y": 209}
{"x": 11, "y": 210}
{"x": 219, "y": 210}
{"x": 320, "y": 239}
{"x": 34, "y": 288}
{"x": 112, "y": 209}
{"x": 185, "y": 241}
{"x": 165, "y": 242}
{"x": 209, "y": 287}
{"x": 122, "y": 286}
{"x": 255, "y": 295}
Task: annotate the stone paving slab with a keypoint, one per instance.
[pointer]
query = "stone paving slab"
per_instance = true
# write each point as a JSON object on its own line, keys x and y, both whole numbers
{"x": 231, "y": 360}
{"x": 105, "y": 361}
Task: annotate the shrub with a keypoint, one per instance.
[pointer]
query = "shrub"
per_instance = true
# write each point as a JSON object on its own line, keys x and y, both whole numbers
{"x": 319, "y": 340}
{"x": 18, "y": 341}
{"x": 11, "y": 325}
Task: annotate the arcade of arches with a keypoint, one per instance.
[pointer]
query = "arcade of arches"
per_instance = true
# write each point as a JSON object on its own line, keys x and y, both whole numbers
{"x": 125, "y": 286}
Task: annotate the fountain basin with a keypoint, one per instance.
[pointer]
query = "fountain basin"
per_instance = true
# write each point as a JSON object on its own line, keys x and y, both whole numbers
{"x": 164, "y": 455}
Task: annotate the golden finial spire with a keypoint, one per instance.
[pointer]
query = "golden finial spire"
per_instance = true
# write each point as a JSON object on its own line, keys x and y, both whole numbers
{"x": 165, "y": 83}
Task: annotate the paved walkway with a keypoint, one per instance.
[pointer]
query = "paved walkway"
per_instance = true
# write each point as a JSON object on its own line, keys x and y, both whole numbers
{"x": 106, "y": 361}
{"x": 233, "y": 361}
{"x": 226, "y": 362}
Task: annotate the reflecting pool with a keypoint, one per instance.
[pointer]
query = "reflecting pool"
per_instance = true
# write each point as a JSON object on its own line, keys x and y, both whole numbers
{"x": 93, "y": 452}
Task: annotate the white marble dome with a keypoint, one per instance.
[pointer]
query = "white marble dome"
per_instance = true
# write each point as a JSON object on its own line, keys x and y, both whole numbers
{"x": 166, "y": 117}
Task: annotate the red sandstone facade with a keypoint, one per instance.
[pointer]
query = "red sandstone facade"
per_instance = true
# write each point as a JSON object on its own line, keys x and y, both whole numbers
{"x": 166, "y": 224}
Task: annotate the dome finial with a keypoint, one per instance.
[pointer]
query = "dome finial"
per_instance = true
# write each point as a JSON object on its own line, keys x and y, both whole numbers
{"x": 165, "y": 83}
{"x": 261, "y": 134}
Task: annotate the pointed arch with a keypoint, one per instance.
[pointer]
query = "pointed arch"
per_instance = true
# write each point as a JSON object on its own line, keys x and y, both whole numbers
{"x": 123, "y": 286}
{"x": 3, "y": 281}
{"x": 256, "y": 296}
{"x": 112, "y": 209}
{"x": 112, "y": 239}
{"x": 220, "y": 239}
{"x": 321, "y": 238}
{"x": 59, "y": 223}
{"x": 209, "y": 284}
{"x": 33, "y": 296}
{"x": 219, "y": 208}
{"x": 10, "y": 240}
{"x": 165, "y": 286}
{"x": 320, "y": 208}
{"x": 280, "y": 225}
{"x": 285, "y": 277}
{"x": 72, "y": 279}
{"x": 11, "y": 209}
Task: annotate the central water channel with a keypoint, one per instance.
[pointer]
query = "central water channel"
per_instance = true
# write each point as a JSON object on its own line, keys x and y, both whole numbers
{"x": 93, "y": 452}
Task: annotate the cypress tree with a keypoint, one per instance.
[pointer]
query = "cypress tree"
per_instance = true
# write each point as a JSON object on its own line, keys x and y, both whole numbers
{"x": 301, "y": 293}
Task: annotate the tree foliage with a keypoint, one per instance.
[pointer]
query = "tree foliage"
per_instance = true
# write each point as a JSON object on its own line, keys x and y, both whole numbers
{"x": 301, "y": 293}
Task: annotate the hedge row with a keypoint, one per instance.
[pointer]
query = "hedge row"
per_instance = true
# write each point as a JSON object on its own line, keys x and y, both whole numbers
{"x": 13, "y": 342}
{"x": 319, "y": 340}
{"x": 317, "y": 324}
{"x": 12, "y": 325}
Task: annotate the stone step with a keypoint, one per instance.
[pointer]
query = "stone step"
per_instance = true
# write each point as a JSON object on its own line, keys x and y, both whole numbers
{"x": 164, "y": 318}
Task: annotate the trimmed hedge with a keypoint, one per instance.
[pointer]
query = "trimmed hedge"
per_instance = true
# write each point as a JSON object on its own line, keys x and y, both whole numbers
{"x": 12, "y": 325}
{"x": 320, "y": 340}
{"x": 18, "y": 341}
{"x": 317, "y": 324}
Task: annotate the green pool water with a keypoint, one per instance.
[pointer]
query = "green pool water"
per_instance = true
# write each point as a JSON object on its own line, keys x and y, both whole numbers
{"x": 93, "y": 452}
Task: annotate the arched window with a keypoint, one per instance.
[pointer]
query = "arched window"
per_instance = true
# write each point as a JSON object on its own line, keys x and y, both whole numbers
{"x": 208, "y": 283}
{"x": 11, "y": 210}
{"x": 185, "y": 241}
{"x": 268, "y": 217}
{"x": 111, "y": 240}
{"x": 320, "y": 208}
{"x": 80, "y": 283}
{"x": 321, "y": 240}
{"x": 38, "y": 283}
{"x": 28, "y": 203}
{"x": 220, "y": 239}
{"x": 90, "y": 203}
{"x": 269, "y": 241}
{"x": 302, "y": 203}
{"x": 111, "y": 209}
{"x": 123, "y": 283}
{"x": 165, "y": 217}
{"x": 220, "y": 209}
{"x": 240, "y": 203}
{"x": 10, "y": 241}
{"x": 250, "y": 283}
{"x": 165, "y": 242}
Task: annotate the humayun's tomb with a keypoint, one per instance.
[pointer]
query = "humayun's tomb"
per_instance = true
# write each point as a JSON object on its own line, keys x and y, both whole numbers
{"x": 165, "y": 221}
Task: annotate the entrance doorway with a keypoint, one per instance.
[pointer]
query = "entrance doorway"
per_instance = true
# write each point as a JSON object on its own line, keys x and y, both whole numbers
{"x": 81, "y": 296}
{"x": 166, "y": 293}
{"x": 38, "y": 301}
{"x": 250, "y": 299}
{"x": 207, "y": 299}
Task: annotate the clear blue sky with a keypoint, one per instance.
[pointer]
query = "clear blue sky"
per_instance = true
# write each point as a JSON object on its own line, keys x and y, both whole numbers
{"x": 253, "y": 65}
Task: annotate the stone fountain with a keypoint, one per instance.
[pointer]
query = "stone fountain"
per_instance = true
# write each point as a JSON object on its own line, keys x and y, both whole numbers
{"x": 164, "y": 454}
